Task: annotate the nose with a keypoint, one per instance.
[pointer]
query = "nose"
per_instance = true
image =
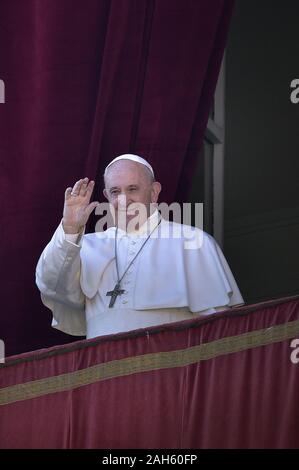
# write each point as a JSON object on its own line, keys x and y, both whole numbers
{"x": 123, "y": 201}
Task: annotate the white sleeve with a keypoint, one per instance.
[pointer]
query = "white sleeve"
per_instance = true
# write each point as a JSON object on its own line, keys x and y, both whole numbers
{"x": 72, "y": 238}
{"x": 209, "y": 311}
{"x": 58, "y": 279}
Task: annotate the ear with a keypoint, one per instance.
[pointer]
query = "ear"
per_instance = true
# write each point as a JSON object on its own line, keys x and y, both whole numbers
{"x": 155, "y": 191}
{"x": 106, "y": 194}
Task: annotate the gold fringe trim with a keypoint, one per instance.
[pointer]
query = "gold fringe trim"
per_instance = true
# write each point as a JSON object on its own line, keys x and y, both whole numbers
{"x": 149, "y": 362}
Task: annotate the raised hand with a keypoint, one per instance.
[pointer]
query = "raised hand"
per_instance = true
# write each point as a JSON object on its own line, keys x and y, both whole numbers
{"x": 77, "y": 207}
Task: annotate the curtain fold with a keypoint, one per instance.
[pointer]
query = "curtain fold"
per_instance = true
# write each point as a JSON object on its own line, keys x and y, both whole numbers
{"x": 225, "y": 381}
{"x": 84, "y": 83}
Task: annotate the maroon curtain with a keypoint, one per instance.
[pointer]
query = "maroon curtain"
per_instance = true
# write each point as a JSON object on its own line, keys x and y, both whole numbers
{"x": 85, "y": 82}
{"x": 228, "y": 381}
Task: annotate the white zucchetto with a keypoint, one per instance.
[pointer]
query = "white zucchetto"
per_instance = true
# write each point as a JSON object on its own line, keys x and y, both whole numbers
{"x": 133, "y": 158}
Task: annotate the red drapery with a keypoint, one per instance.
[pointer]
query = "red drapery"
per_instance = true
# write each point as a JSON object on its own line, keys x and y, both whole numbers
{"x": 227, "y": 381}
{"x": 85, "y": 82}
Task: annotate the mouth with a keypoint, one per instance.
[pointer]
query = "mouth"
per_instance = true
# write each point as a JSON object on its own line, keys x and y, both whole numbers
{"x": 130, "y": 210}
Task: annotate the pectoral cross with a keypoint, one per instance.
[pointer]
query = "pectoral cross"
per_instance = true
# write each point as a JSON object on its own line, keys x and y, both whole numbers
{"x": 114, "y": 293}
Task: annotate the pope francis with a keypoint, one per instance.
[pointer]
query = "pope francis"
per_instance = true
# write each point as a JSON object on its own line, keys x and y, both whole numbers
{"x": 139, "y": 272}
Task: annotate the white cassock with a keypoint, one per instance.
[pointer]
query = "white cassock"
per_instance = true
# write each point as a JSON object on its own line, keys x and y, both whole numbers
{"x": 179, "y": 273}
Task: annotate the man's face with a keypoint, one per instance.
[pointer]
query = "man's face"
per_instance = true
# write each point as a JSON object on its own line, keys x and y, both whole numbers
{"x": 130, "y": 189}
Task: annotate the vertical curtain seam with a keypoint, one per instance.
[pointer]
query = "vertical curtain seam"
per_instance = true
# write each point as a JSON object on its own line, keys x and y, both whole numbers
{"x": 148, "y": 24}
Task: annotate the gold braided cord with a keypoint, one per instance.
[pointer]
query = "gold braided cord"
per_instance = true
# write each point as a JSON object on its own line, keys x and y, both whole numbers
{"x": 149, "y": 362}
